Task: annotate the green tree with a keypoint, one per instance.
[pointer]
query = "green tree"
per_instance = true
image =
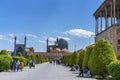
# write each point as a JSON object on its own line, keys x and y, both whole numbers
{"x": 114, "y": 70}
{"x": 32, "y": 57}
{"x": 19, "y": 54}
{"x": 28, "y": 57}
{"x": 87, "y": 55}
{"x": 74, "y": 57}
{"x": 4, "y": 52}
{"x": 81, "y": 57}
{"x": 37, "y": 58}
{"x": 5, "y": 62}
{"x": 101, "y": 56}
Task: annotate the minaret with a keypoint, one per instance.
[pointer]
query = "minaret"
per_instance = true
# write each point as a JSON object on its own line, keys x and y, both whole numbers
{"x": 47, "y": 44}
{"x": 56, "y": 43}
{"x": 25, "y": 41}
{"x": 14, "y": 46}
{"x": 57, "y": 39}
{"x": 14, "y": 42}
{"x": 24, "y": 54}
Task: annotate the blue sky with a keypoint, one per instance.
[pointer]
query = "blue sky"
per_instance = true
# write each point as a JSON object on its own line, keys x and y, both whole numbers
{"x": 40, "y": 19}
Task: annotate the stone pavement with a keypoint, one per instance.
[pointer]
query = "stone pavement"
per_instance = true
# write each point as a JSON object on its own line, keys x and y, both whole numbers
{"x": 43, "y": 71}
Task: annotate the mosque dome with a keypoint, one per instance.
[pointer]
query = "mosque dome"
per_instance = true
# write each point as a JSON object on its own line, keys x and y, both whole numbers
{"x": 62, "y": 43}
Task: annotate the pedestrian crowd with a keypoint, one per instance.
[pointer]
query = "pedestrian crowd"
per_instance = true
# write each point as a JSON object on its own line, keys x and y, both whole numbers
{"x": 16, "y": 65}
{"x": 19, "y": 65}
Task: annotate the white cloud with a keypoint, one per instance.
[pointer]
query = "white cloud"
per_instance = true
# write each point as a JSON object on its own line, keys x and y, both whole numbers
{"x": 79, "y": 33}
{"x": 31, "y": 35}
{"x": 42, "y": 41}
{"x": 66, "y": 38}
{"x": 10, "y": 40}
{"x": 52, "y": 39}
{"x": 29, "y": 41}
{"x": 44, "y": 38}
{"x": 6, "y": 39}
{"x": 11, "y": 35}
{"x": 1, "y": 37}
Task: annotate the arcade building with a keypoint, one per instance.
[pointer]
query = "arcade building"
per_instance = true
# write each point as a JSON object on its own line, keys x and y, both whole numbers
{"x": 107, "y": 23}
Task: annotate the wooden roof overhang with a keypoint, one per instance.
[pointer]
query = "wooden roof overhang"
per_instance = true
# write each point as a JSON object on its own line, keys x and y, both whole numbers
{"x": 100, "y": 12}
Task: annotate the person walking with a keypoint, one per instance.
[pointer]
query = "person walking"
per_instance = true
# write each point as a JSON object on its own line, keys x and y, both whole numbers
{"x": 30, "y": 64}
{"x": 33, "y": 64}
{"x": 18, "y": 65}
{"x": 11, "y": 65}
{"x": 21, "y": 65}
{"x": 14, "y": 65}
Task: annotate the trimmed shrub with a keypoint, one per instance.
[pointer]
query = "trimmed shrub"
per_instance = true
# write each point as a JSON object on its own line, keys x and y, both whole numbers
{"x": 63, "y": 59}
{"x": 114, "y": 70}
{"x": 86, "y": 56}
{"x": 69, "y": 60}
{"x": 74, "y": 58}
{"x": 66, "y": 59}
{"x": 5, "y": 62}
{"x": 4, "y": 52}
{"x": 37, "y": 57}
{"x": 80, "y": 58}
{"x": 43, "y": 59}
{"x": 19, "y": 54}
{"x": 101, "y": 56}
{"x": 33, "y": 57}
{"x": 28, "y": 57}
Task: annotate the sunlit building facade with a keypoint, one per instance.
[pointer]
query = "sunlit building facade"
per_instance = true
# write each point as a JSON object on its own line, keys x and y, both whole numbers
{"x": 107, "y": 23}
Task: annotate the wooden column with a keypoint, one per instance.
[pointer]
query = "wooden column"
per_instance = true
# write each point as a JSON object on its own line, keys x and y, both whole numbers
{"x": 101, "y": 21}
{"x": 114, "y": 1}
{"x": 118, "y": 13}
{"x": 111, "y": 13}
{"x": 106, "y": 18}
{"x": 96, "y": 25}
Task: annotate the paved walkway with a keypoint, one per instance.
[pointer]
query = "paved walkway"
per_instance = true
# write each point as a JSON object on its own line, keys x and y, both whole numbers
{"x": 43, "y": 71}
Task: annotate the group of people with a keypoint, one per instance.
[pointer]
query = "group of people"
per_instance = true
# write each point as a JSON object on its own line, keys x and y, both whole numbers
{"x": 31, "y": 64}
{"x": 19, "y": 65}
{"x": 84, "y": 72}
{"x": 81, "y": 72}
{"x": 55, "y": 61}
{"x": 16, "y": 65}
{"x": 75, "y": 68}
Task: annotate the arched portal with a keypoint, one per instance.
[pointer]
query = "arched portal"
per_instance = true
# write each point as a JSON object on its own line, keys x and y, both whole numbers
{"x": 19, "y": 50}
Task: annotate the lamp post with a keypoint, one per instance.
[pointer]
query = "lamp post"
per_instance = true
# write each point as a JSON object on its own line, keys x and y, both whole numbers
{"x": 75, "y": 47}
{"x": 89, "y": 40}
